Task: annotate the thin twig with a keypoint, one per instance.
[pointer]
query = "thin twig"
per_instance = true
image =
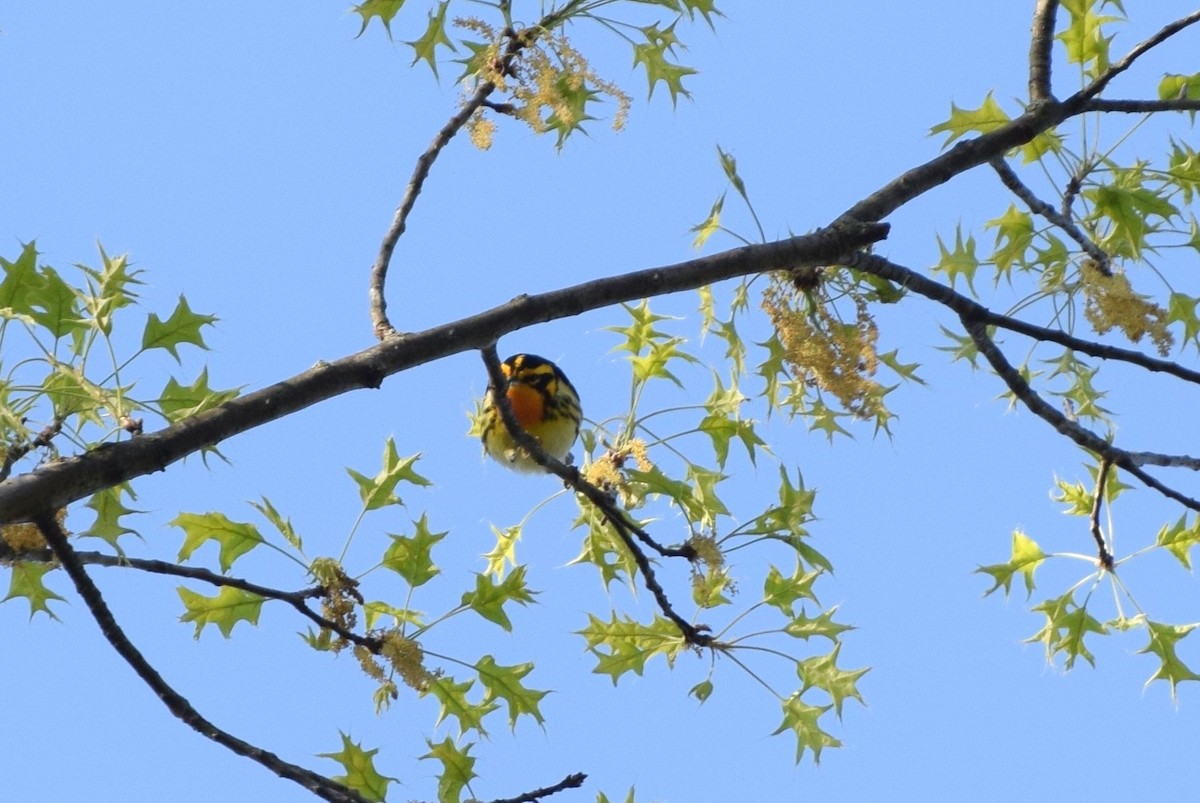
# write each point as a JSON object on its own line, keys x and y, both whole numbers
{"x": 573, "y": 781}
{"x": 517, "y": 41}
{"x": 962, "y": 305}
{"x": 42, "y": 439}
{"x": 1089, "y": 440}
{"x": 1041, "y": 44}
{"x": 1040, "y": 207}
{"x": 319, "y": 785}
{"x": 1106, "y": 558}
{"x": 570, "y": 475}
{"x": 296, "y": 599}
{"x": 382, "y": 326}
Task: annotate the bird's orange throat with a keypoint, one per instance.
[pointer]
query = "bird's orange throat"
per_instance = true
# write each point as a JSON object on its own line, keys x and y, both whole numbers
{"x": 527, "y": 405}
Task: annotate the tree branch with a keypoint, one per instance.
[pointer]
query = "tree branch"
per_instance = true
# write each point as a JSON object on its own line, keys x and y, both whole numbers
{"x": 573, "y": 781}
{"x": 517, "y": 41}
{"x": 1041, "y": 43}
{"x": 1143, "y": 106}
{"x": 379, "y": 321}
{"x": 1089, "y": 440}
{"x": 961, "y": 305}
{"x": 176, "y": 703}
{"x": 55, "y": 485}
{"x": 1040, "y": 207}
{"x": 1106, "y": 558}
{"x": 570, "y": 475}
{"x": 295, "y": 599}
{"x": 15, "y": 453}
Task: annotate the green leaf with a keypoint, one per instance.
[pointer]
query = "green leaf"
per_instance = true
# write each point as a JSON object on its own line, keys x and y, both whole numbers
{"x": 374, "y": 610}
{"x": 803, "y": 720}
{"x": 504, "y": 554}
{"x": 570, "y": 111}
{"x": 384, "y": 9}
{"x": 822, "y": 625}
{"x": 782, "y": 592}
{"x": 22, "y": 281}
{"x": 489, "y": 597}
{"x": 710, "y": 225}
{"x": 709, "y": 585}
{"x": 654, "y": 481}
{"x": 1178, "y": 539}
{"x": 454, "y": 703}
{"x": 1014, "y": 237}
{"x": 435, "y": 35}
{"x": 822, "y": 672}
{"x": 652, "y": 55}
{"x": 458, "y": 768}
{"x": 182, "y": 327}
{"x": 411, "y": 558}
{"x": 1181, "y": 309}
{"x": 360, "y": 775}
{"x": 26, "y": 581}
{"x": 504, "y": 683}
{"x": 56, "y": 305}
{"x": 1175, "y": 85}
{"x": 1067, "y": 624}
{"x": 1026, "y": 557}
{"x": 1184, "y": 170}
{"x": 226, "y": 609}
{"x": 284, "y": 526}
{"x": 1084, "y": 37}
{"x": 723, "y": 424}
{"x": 379, "y": 491}
{"x": 1130, "y": 209}
{"x": 988, "y": 117}
{"x": 959, "y": 262}
{"x": 109, "y": 509}
{"x": 600, "y": 796}
{"x": 1163, "y": 638}
{"x": 235, "y": 538}
{"x": 624, "y": 645}
{"x": 177, "y": 402}
{"x": 702, "y": 690}
{"x": 1049, "y": 141}
{"x": 111, "y": 288}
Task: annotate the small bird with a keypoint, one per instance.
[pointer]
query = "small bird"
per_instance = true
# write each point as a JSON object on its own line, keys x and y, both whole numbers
{"x": 544, "y": 403}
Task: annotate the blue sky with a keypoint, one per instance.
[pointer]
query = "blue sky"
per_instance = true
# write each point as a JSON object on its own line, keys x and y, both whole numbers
{"x": 250, "y": 157}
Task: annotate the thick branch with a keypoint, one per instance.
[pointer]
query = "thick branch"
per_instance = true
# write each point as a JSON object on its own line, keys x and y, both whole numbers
{"x": 1041, "y": 43}
{"x": 176, "y": 703}
{"x": 55, "y": 485}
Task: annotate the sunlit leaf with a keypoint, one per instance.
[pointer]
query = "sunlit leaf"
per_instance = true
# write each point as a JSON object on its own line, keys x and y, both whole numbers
{"x": 235, "y": 538}
{"x": 360, "y": 773}
{"x": 226, "y": 609}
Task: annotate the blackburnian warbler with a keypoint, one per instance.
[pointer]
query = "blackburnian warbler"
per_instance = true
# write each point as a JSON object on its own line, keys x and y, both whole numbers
{"x": 544, "y": 403}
